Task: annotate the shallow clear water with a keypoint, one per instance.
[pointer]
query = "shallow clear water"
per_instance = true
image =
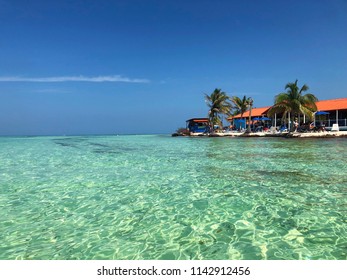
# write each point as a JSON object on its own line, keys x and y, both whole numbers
{"x": 159, "y": 197}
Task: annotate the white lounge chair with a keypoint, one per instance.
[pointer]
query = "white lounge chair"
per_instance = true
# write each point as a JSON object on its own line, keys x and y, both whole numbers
{"x": 335, "y": 127}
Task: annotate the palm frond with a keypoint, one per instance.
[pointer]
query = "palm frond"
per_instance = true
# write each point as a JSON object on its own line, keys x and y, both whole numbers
{"x": 218, "y": 103}
{"x": 294, "y": 101}
{"x": 304, "y": 88}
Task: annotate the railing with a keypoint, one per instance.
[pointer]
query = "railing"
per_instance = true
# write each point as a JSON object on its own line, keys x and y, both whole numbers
{"x": 329, "y": 123}
{"x": 319, "y": 123}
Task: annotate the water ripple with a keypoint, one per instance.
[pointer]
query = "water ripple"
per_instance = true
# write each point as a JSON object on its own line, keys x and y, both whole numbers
{"x": 158, "y": 197}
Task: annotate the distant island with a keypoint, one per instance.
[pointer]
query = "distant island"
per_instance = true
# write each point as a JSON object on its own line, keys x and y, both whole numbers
{"x": 293, "y": 114}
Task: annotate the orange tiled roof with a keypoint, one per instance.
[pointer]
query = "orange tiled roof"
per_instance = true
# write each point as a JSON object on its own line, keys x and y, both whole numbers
{"x": 332, "y": 104}
{"x": 323, "y": 105}
{"x": 198, "y": 120}
{"x": 256, "y": 112}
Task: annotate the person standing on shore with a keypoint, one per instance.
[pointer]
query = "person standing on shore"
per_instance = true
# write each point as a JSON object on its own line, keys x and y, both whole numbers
{"x": 296, "y": 125}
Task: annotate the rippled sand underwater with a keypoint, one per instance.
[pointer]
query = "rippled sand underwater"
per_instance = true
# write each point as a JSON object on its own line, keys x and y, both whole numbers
{"x": 159, "y": 197}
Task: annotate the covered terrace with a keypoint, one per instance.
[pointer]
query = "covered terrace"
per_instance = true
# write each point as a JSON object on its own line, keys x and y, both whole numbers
{"x": 337, "y": 112}
{"x": 332, "y": 111}
{"x": 256, "y": 113}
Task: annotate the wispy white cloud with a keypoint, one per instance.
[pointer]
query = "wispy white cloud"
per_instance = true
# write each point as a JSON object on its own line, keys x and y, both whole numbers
{"x": 59, "y": 79}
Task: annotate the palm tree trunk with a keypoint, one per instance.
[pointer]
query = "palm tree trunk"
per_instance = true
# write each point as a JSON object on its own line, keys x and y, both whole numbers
{"x": 249, "y": 119}
{"x": 289, "y": 122}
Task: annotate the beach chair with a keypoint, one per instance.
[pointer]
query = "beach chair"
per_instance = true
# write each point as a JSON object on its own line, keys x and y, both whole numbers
{"x": 283, "y": 128}
{"x": 273, "y": 130}
{"x": 335, "y": 127}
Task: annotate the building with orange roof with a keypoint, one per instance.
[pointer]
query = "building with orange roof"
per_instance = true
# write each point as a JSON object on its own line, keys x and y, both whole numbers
{"x": 332, "y": 111}
{"x": 197, "y": 125}
{"x": 337, "y": 109}
{"x": 241, "y": 122}
{"x": 332, "y": 104}
{"x": 256, "y": 112}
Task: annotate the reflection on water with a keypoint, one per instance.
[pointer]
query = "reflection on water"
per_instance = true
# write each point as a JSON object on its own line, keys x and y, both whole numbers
{"x": 158, "y": 197}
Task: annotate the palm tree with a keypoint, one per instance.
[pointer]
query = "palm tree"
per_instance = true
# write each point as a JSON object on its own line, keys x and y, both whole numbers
{"x": 219, "y": 106}
{"x": 294, "y": 102}
{"x": 250, "y": 105}
{"x": 241, "y": 106}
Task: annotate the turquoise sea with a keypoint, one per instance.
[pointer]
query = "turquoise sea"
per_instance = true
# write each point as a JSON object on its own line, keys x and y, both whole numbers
{"x": 161, "y": 197}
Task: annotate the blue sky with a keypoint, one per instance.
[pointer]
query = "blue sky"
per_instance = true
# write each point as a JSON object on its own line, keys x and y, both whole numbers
{"x": 133, "y": 66}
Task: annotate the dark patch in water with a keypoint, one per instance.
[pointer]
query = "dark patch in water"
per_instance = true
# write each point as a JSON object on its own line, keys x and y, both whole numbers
{"x": 99, "y": 145}
{"x": 104, "y": 152}
{"x": 73, "y": 139}
{"x": 127, "y": 149}
{"x": 69, "y": 141}
{"x": 281, "y": 173}
{"x": 65, "y": 144}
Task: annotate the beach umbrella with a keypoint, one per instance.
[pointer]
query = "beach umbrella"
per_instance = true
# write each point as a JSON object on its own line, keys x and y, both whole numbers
{"x": 261, "y": 119}
{"x": 265, "y": 119}
{"x": 321, "y": 113}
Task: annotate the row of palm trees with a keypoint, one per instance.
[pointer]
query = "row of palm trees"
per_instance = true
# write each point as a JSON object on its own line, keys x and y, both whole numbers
{"x": 291, "y": 103}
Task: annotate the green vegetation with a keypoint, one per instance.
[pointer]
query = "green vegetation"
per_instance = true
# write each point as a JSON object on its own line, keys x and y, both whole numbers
{"x": 294, "y": 102}
{"x": 219, "y": 105}
{"x": 182, "y": 131}
{"x": 240, "y": 105}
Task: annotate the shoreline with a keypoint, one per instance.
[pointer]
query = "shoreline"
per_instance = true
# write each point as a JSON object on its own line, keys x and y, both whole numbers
{"x": 325, "y": 134}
